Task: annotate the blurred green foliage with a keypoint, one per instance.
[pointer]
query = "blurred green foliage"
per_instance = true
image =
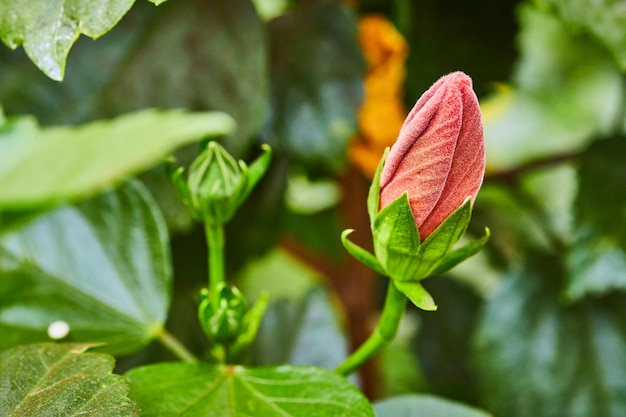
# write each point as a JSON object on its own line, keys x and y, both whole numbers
{"x": 530, "y": 327}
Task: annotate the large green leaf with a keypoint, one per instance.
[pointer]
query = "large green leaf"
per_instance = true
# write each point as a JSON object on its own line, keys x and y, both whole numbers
{"x": 216, "y": 55}
{"x": 553, "y": 190}
{"x": 424, "y": 406}
{"x": 54, "y": 164}
{"x": 317, "y": 73}
{"x": 205, "y": 390}
{"x": 216, "y": 58}
{"x": 102, "y": 266}
{"x": 49, "y": 380}
{"x": 566, "y": 91}
{"x": 597, "y": 260}
{"x": 211, "y": 55}
{"x": 48, "y": 28}
{"x": 537, "y": 357}
{"x": 605, "y": 19}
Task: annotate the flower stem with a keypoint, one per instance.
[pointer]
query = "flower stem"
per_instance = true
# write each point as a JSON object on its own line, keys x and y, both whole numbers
{"x": 174, "y": 345}
{"x": 384, "y": 333}
{"x": 215, "y": 242}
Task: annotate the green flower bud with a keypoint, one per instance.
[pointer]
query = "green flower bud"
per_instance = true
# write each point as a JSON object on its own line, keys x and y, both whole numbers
{"x": 218, "y": 184}
{"x": 224, "y": 322}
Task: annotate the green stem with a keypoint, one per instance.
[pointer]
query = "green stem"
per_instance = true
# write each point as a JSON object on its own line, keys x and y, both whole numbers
{"x": 174, "y": 345}
{"x": 215, "y": 242}
{"x": 384, "y": 333}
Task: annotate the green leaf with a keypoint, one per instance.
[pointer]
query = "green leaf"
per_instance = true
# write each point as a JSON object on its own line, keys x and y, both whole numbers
{"x": 217, "y": 60}
{"x": 553, "y": 190}
{"x": 515, "y": 229}
{"x": 566, "y": 92}
{"x": 457, "y": 256}
{"x": 598, "y": 266}
{"x": 307, "y": 196}
{"x": 309, "y": 331}
{"x": 604, "y": 19}
{"x": 233, "y": 391}
{"x": 48, "y": 29}
{"x": 317, "y": 81}
{"x": 10, "y": 220}
{"x": 361, "y": 254}
{"x": 218, "y": 52}
{"x": 537, "y": 357}
{"x": 102, "y": 266}
{"x": 424, "y": 406}
{"x": 417, "y": 294}
{"x": 63, "y": 163}
{"x": 597, "y": 259}
{"x": 61, "y": 380}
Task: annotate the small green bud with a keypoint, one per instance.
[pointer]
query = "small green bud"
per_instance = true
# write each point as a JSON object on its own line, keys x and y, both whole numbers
{"x": 222, "y": 323}
{"x": 217, "y": 184}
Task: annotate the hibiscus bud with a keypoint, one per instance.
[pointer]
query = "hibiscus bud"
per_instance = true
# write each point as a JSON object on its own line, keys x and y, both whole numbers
{"x": 439, "y": 157}
{"x": 420, "y": 201}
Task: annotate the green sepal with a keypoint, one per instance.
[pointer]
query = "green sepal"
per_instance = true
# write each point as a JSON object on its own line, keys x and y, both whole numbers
{"x": 250, "y": 327}
{"x": 373, "y": 197}
{"x": 415, "y": 292}
{"x": 257, "y": 169}
{"x": 180, "y": 183}
{"x": 361, "y": 254}
{"x": 457, "y": 256}
{"x": 396, "y": 239}
{"x": 441, "y": 241}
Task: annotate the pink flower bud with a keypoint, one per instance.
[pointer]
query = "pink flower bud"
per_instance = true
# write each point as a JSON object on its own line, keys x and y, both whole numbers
{"x": 439, "y": 157}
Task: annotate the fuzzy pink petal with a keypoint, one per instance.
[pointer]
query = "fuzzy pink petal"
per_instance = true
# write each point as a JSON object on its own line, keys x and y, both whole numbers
{"x": 421, "y": 159}
{"x": 414, "y": 125}
{"x": 468, "y": 165}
